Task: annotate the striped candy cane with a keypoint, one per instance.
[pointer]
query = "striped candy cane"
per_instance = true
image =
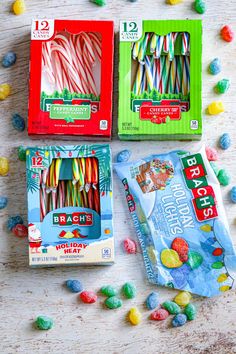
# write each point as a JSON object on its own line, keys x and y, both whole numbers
{"x": 143, "y": 48}
{"x": 88, "y": 174}
{"x": 149, "y": 72}
{"x": 68, "y": 61}
{"x": 185, "y": 43}
{"x": 159, "y": 47}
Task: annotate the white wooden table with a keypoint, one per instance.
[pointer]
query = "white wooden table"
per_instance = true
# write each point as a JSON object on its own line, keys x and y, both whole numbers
{"x": 25, "y": 292}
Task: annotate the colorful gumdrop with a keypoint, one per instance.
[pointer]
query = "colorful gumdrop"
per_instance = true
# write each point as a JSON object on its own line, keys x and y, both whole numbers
{"x": 181, "y": 247}
{"x": 195, "y": 259}
{"x": 170, "y": 259}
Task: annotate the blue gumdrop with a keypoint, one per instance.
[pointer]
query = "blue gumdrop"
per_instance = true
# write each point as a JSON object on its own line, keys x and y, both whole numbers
{"x": 215, "y": 66}
{"x": 152, "y": 300}
{"x": 74, "y": 285}
{"x": 180, "y": 276}
{"x": 123, "y": 156}
{"x": 179, "y": 320}
{"x": 18, "y": 122}
{"x": 9, "y": 59}
{"x": 13, "y": 221}
{"x": 233, "y": 194}
{"x": 225, "y": 141}
{"x": 3, "y": 202}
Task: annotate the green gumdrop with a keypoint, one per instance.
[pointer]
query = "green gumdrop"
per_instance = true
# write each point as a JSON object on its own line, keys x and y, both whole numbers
{"x": 44, "y": 322}
{"x": 190, "y": 311}
{"x": 222, "y": 86}
{"x": 217, "y": 265}
{"x": 129, "y": 290}
{"x": 99, "y": 2}
{"x": 21, "y": 153}
{"x": 200, "y": 6}
{"x": 171, "y": 307}
{"x": 223, "y": 177}
{"x": 215, "y": 168}
{"x": 108, "y": 291}
{"x": 113, "y": 302}
{"x": 194, "y": 259}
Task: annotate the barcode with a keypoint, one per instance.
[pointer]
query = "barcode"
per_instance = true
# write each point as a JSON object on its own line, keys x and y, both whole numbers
{"x": 44, "y": 259}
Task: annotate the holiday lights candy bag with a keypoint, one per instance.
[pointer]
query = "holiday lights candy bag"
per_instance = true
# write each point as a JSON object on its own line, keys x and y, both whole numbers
{"x": 177, "y": 209}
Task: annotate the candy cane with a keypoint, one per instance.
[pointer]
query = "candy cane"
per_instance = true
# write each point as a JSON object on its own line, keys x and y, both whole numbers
{"x": 75, "y": 171}
{"x": 88, "y": 174}
{"x": 82, "y": 172}
{"x": 94, "y": 172}
{"x": 68, "y": 60}
{"x": 61, "y": 194}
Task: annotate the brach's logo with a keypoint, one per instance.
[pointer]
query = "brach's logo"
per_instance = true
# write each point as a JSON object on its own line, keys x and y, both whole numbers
{"x": 204, "y": 196}
{"x": 81, "y": 218}
{"x": 129, "y": 197}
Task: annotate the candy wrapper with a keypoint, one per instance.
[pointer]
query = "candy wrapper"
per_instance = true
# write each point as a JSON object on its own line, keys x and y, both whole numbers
{"x": 177, "y": 209}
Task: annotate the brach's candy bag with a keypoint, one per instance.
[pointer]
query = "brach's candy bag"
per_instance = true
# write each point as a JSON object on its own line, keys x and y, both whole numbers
{"x": 71, "y": 73}
{"x": 69, "y": 205}
{"x": 160, "y": 80}
{"x": 176, "y": 205}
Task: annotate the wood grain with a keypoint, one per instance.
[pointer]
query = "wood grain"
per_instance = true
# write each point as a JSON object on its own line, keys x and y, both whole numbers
{"x": 26, "y": 293}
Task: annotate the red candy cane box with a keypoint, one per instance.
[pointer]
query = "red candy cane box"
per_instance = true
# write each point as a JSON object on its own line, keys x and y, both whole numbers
{"x": 71, "y": 71}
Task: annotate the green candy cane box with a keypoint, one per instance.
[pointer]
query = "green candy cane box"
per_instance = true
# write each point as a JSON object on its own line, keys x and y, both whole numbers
{"x": 69, "y": 205}
{"x": 160, "y": 80}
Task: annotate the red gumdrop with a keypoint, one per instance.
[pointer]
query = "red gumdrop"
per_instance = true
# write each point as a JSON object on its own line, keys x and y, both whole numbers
{"x": 217, "y": 252}
{"x": 181, "y": 247}
{"x": 20, "y": 230}
{"x": 227, "y": 33}
{"x": 183, "y": 257}
{"x": 212, "y": 154}
{"x": 130, "y": 246}
{"x": 88, "y": 297}
{"x": 159, "y": 315}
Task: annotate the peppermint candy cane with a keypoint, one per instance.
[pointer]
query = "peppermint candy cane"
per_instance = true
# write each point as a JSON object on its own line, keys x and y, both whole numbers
{"x": 68, "y": 60}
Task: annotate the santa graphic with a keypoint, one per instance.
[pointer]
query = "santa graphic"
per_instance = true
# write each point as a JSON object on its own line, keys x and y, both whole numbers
{"x": 35, "y": 240}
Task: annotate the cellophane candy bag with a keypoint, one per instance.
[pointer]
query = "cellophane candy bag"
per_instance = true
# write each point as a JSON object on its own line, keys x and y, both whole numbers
{"x": 177, "y": 209}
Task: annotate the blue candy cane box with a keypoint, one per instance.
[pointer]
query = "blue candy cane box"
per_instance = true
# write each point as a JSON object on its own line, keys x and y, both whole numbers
{"x": 69, "y": 205}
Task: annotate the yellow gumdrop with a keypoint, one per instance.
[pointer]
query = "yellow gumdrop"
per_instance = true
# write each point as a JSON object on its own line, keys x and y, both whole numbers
{"x": 134, "y": 316}
{"x": 206, "y": 228}
{"x": 216, "y": 108}
{"x": 221, "y": 278}
{"x": 170, "y": 259}
{"x": 5, "y": 90}
{"x": 19, "y": 7}
{"x": 4, "y": 166}
{"x": 183, "y": 298}
{"x": 27, "y": 152}
{"x": 174, "y": 2}
{"x": 224, "y": 288}
{"x": 46, "y": 154}
{"x": 152, "y": 254}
